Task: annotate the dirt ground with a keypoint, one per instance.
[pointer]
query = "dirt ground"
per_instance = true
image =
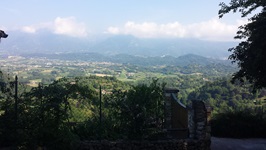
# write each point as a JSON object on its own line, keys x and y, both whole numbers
{"x": 237, "y": 144}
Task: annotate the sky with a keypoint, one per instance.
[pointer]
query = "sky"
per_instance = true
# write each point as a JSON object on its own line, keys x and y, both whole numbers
{"x": 140, "y": 18}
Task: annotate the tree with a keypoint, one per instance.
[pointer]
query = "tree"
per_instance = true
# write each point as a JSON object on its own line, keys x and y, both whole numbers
{"x": 136, "y": 113}
{"x": 142, "y": 110}
{"x": 250, "y": 54}
{"x": 3, "y": 34}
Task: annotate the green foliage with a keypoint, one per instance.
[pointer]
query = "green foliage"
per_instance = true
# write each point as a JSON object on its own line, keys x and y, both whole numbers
{"x": 7, "y": 111}
{"x": 239, "y": 124}
{"x": 224, "y": 96}
{"x": 45, "y": 112}
{"x": 142, "y": 110}
{"x": 249, "y": 54}
{"x": 60, "y": 114}
{"x": 133, "y": 114}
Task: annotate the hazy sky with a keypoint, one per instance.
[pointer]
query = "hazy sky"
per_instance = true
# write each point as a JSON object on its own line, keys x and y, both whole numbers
{"x": 141, "y": 18}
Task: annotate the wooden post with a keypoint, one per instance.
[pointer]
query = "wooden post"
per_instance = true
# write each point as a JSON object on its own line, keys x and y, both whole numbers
{"x": 100, "y": 132}
{"x": 16, "y": 109}
{"x": 16, "y": 100}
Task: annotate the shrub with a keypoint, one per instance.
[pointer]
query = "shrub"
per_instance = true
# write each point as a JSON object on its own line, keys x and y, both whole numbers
{"x": 239, "y": 124}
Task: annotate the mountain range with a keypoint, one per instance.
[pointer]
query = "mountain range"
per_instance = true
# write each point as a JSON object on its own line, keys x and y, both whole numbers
{"x": 181, "y": 61}
{"x": 45, "y": 43}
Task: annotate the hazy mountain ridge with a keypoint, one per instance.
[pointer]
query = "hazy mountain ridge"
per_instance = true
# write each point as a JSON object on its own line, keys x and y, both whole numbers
{"x": 158, "y": 47}
{"x": 185, "y": 60}
{"x": 21, "y": 43}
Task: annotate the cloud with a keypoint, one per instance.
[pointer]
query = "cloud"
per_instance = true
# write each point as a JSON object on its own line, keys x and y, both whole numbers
{"x": 213, "y": 29}
{"x": 69, "y": 26}
{"x": 29, "y": 29}
{"x": 64, "y": 26}
{"x": 149, "y": 29}
{"x": 113, "y": 30}
{"x": 35, "y": 28}
{"x": 146, "y": 29}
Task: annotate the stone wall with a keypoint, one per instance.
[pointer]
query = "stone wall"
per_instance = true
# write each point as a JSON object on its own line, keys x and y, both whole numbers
{"x": 199, "y": 122}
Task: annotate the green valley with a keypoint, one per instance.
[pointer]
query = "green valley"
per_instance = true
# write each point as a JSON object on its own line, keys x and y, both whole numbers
{"x": 62, "y": 99}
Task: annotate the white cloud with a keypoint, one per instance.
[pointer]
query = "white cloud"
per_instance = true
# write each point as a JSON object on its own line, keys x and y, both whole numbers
{"x": 69, "y": 26}
{"x": 146, "y": 29}
{"x": 173, "y": 29}
{"x": 113, "y": 30}
{"x": 65, "y": 26}
{"x": 29, "y": 29}
{"x": 213, "y": 29}
{"x": 35, "y": 28}
{"x": 149, "y": 29}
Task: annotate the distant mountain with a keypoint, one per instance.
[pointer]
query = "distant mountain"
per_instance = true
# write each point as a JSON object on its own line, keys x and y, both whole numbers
{"x": 158, "y": 47}
{"x": 21, "y": 43}
{"x": 185, "y": 60}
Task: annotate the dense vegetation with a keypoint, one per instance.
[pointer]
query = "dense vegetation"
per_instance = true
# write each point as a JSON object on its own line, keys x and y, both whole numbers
{"x": 250, "y": 53}
{"x": 63, "y": 106}
{"x": 237, "y": 111}
{"x": 224, "y": 96}
{"x": 68, "y": 110}
{"x": 242, "y": 115}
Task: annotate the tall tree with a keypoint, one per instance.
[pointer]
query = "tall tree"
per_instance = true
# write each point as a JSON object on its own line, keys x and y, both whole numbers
{"x": 250, "y": 54}
{"x": 3, "y": 34}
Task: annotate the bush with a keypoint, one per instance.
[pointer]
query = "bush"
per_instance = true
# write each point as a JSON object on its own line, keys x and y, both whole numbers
{"x": 239, "y": 124}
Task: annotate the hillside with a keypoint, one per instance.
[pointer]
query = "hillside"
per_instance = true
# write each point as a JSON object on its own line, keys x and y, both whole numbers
{"x": 184, "y": 60}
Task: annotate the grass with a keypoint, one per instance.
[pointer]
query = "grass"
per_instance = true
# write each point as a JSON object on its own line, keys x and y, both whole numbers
{"x": 47, "y": 71}
{"x": 103, "y": 75}
{"x": 34, "y": 83}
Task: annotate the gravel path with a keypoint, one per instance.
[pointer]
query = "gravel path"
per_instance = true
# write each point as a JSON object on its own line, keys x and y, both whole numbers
{"x": 237, "y": 144}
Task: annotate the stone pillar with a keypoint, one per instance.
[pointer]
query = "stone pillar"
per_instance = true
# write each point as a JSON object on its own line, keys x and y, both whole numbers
{"x": 208, "y": 124}
{"x": 199, "y": 122}
{"x": 191, "y": 123}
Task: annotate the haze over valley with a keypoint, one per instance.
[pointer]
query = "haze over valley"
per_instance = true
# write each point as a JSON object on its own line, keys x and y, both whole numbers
{"x": 20, "y": 43}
